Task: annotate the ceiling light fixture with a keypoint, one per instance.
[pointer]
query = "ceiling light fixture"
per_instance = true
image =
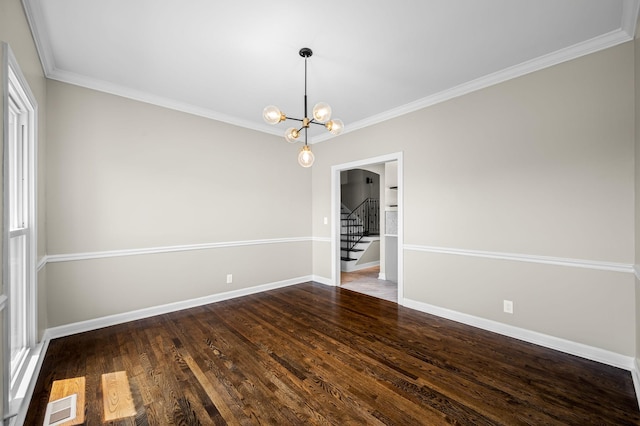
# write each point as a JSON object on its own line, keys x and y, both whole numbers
{"x": 321, "y": 116}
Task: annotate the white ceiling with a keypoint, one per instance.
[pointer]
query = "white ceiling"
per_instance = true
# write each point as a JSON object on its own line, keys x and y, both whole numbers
{"x": 372, "y": 60}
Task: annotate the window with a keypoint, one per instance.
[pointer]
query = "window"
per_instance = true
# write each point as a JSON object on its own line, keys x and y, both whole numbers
{"x": 19, "y": 239}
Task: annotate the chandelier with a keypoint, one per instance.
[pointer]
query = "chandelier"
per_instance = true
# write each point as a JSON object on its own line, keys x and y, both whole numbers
{"x": 321, "y": 116}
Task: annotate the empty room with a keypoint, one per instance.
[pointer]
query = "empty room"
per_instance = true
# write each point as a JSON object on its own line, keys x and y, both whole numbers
{"x": 399, "y": 213}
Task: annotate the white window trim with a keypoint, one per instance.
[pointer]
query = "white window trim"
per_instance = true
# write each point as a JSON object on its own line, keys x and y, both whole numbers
{"x": 11, "y": 72}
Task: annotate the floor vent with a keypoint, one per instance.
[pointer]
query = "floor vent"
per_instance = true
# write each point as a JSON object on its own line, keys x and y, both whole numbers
{"x": 61, "y": 410}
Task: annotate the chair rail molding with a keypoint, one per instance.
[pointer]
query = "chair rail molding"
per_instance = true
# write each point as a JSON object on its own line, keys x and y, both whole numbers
{"x": 70, "y": 257}
{"x": 548, "y": 260}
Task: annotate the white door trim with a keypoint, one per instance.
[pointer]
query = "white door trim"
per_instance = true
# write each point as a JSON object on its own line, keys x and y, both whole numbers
{"x": 335, "y": 215}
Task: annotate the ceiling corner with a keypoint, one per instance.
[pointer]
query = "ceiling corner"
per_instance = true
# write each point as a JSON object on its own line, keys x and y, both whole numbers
{"x": 33, "y": 12}
{"x": 630, "y": 12}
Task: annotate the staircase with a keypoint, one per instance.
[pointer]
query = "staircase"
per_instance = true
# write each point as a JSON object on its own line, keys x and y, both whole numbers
{"x": 359, "y": 228}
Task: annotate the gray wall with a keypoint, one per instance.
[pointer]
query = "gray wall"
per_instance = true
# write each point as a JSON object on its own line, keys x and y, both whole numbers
{"x": 538, "y": 166}
{"x": 354, "y": 188}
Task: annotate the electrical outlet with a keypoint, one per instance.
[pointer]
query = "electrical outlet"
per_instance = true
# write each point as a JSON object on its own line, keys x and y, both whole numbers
{"x": 508, "y": 306}
{"x": 229, "y": 278}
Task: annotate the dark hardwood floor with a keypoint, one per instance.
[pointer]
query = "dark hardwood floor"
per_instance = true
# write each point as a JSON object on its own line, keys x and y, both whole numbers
{"x": 312, "y": 354}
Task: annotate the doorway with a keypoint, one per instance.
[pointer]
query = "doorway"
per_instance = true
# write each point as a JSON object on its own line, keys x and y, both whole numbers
{"x": 389, "y": 270}
{"x": 360, "y": 216}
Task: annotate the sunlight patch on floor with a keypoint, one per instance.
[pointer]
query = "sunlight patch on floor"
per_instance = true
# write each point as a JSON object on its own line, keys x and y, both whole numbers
{"x": 116, "y": 397}
{"x": 65, "y": 388}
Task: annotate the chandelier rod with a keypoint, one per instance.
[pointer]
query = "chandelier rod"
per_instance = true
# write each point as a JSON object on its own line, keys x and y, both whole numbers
{"x": 305, "y": 123}
{"x": 305, "y": 87}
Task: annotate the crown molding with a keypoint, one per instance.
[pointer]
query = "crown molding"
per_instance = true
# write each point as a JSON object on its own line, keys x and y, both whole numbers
{"x": 35, "y": 18}
{"x": 38, "y": 27}
{"x": 630, "y": 11}
{"x": 593, "y": 45}
{"x": 626, "y": 32}
{"x": 146, "y": 97}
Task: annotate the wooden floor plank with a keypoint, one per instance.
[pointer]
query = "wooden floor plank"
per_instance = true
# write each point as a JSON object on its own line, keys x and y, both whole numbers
{"x": 211, "y": 392}
{"x": 117, "y": 401}
{"x": 313, "y": 354}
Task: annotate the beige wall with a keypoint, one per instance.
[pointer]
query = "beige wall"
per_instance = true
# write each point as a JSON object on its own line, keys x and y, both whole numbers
{"x": 89, "y": 289}
{"x": 540, "y": 165}
{"x": 128, "y": 175}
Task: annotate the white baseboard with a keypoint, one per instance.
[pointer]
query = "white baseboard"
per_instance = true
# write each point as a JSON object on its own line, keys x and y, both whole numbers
{"x": 94, "y": 324}
{"x": 635, "y": 375}
{"x": 382, "y": 276}
{"x": 323, "y": 280}
{"x": 574, "y": 348}
{"x": 352, "y": 268}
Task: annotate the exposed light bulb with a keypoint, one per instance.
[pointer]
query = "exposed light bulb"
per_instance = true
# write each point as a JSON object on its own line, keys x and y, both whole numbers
{"x": 292, "y": 134}
{"x": 322, "y": 112}
{"x": 335, "y": 126}
{"x": 306, "y": 157}
{"x": 273, "y": 115}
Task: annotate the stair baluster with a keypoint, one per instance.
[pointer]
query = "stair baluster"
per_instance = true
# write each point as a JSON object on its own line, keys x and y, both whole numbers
{"x": 363, "y": 221}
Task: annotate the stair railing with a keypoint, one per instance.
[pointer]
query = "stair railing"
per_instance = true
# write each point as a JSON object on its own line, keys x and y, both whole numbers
{"x": 363, "y": 221}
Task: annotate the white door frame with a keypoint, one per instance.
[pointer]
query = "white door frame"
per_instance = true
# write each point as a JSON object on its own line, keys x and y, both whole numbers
{"x": 335, "y": 215}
